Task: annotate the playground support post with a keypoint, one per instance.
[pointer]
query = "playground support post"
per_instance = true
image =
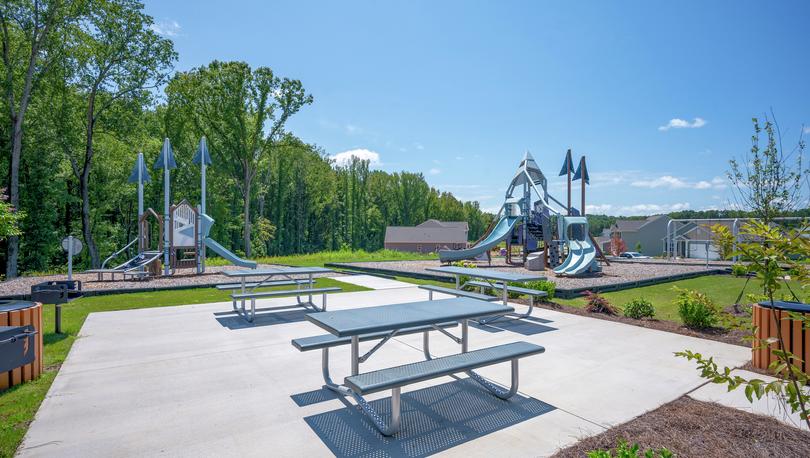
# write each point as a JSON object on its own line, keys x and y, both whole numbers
{"x": 140, "y": 197}
{"x": 166, "y": 205}
{"x": 582, "y": 179}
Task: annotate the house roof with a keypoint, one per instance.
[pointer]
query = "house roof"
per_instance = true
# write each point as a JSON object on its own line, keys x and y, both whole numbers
{"x": 633, "y": 225}
{"x": 431, "y": 231}
{"x": 437, "y": 223}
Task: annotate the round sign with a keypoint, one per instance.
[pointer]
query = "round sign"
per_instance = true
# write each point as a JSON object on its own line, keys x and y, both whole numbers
{"x": 77, "y": 244}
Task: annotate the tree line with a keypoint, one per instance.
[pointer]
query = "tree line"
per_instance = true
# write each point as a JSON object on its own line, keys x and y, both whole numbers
{"x": 87, "y": 84}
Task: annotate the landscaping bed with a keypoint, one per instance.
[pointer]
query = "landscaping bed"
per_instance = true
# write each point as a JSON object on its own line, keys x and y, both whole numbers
{"x": 690, "y": 428}
{"x": 733, "y": 337}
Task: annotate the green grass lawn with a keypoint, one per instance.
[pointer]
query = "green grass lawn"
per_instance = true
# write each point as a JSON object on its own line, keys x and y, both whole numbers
{"x": 19, "y": 404}
{"x": 722, "y": 289}
{"x": 324, "y": 257}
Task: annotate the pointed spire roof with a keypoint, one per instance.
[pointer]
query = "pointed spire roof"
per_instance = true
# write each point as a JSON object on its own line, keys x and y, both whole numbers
{"x": 133, "y": 177}
{"x": 582, "y": 171}
{"x": 567, "y": 165}
{"x": 202, "y": 156}
{"x": 167, "y": 153}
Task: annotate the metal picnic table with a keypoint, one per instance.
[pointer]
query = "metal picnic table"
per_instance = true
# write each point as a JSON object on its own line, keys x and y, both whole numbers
{"x": 390, "y": 319}
{"x": 268, "y": 274}
{"x": 486, "y": 275}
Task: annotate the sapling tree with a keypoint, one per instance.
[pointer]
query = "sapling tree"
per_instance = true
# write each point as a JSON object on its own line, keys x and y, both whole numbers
{"x": 769, "y": 250}
{"x": 769, "y": 180}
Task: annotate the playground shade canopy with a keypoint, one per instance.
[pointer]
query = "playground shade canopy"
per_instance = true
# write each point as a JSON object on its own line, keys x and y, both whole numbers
{"x": 495, "y": 236}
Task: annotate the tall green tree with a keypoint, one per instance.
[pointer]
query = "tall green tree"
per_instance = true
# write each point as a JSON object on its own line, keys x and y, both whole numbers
{"x": 242, "y": 112}
{"x": 119, "y": 60}
{"x": 33, "y": 36}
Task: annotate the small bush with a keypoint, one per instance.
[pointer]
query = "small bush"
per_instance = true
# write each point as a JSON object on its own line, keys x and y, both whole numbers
{"x": 543, "y": 285}
{"x": 696, "y": 309}
{"x": 739, "y": 270}
{"x": 625, "y": 450}
{"x": 639, "y": 308}
{"x": 598, "y": 304}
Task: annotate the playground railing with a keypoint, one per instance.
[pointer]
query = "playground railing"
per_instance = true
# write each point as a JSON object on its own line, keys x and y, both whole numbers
{"x": 114, "y": 255}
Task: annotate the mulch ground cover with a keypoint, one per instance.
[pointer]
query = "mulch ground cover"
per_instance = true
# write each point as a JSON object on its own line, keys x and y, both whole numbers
{"x": 734, "y": 336}
{"x": 691, "y": 428}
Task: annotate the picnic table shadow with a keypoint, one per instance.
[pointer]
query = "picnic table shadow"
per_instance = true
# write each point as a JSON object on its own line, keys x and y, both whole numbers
{"x": 265, "y": 316}
{"x": 527, "y": 326}
{"x": 434, "y": 419}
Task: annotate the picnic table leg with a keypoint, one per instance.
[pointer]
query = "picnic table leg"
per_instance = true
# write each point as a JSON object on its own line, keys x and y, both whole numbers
{"x": 505, "y": 293}
{"x": 458, "y": 281}
{"x": 355, "y": 355}
{"x": 465, "y": 336}
{"x": 310, "y": 295}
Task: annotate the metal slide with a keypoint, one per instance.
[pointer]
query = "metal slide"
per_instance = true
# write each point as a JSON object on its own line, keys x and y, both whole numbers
{"x": 225, "y": 253}
{"x": 581, "y": 255}
{"x": 498, "y": 233}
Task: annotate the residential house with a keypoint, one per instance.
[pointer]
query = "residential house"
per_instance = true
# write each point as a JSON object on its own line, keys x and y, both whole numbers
{"x": 642, "y": 235}
{"x": 428, "y": 237}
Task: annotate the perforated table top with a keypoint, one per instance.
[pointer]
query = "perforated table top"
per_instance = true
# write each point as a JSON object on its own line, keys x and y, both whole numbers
{"x": 345, "y": 323}
{"x": 275, "y": 271}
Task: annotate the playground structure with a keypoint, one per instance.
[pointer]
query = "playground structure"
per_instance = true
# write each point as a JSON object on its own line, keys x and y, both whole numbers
{"x": 527, "y": 219}
{"x": 177, "y": 239}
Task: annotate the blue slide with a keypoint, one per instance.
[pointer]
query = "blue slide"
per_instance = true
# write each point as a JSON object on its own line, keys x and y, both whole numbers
{"x": 225, "y": 253}
{"x": 498, "y": 233}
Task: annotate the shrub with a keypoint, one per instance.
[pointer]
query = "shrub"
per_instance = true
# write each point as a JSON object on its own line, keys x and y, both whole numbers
{"x": 639, "y": 308}
{"x": 625, "y": 450}
{"x": 598, "y": 304}
{"x": 543, "y": 285}
{"x": 739, "y": 270}
{"x": 696, "y": 309}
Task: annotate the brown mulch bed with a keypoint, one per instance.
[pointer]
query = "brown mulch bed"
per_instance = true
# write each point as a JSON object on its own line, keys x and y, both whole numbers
{"x": 733, "y": 337}
{"x": 692, "y": 428}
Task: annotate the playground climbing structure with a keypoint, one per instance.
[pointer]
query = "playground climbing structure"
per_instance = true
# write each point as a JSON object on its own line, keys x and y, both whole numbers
{"x": 527, "y": 220}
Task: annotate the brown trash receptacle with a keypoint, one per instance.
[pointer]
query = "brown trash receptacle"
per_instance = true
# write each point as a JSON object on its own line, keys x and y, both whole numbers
{"x": 22, "y": 313}
{"x": 768, "y": 320}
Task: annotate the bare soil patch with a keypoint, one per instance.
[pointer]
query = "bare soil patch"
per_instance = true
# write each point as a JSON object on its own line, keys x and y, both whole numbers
{"x": 694, "y": 428}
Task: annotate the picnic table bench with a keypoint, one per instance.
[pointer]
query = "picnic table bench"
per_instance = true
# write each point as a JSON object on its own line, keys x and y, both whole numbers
{"x": 244, "y": 291}
{"x": 387, "y": 321}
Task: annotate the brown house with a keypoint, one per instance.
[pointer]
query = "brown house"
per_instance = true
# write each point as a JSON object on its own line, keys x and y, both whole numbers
{"x": 428, "y": 237}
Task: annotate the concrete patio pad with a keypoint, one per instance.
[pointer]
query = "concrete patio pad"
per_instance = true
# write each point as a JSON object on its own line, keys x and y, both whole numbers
{"x": 197, "y": 381}
{"x": 373, "y": 282}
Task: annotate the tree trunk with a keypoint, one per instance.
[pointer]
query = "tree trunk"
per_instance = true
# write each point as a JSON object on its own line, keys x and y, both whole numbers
{"x": 246, "y": 209}
{"x": 13, "y": 247}
{"x": 84, "y": 184}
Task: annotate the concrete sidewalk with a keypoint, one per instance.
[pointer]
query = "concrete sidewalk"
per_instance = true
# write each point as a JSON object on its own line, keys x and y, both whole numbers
{"x": 194, "y": 381}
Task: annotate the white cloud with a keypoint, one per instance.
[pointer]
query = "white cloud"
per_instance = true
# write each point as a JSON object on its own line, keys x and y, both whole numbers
{"x": 166, "y": 27}
{"x": 806, "y": 130}
{"x": 434, "y": 171}
{"x": 418, "y": 146}
{"x": 459, "y": 158}
{"x": 671, "y": 182}
{"x": 351, "y": 129}
{"x": 363, "y": 154}
{"x": 636, "y": 209}
{"x": 678, "y": 123}
{"x": 666, "y": 181}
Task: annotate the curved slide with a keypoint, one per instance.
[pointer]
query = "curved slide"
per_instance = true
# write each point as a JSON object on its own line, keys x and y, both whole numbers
{"x": 225, "y": 253}
{"x": 581, "y": 256}
{"x": 498, "y": 233}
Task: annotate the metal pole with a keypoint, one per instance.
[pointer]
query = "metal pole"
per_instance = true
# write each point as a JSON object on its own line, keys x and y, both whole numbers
{"x": 582, "y": 179}
{"x": 70, "y": 258}
{"x": 568, "y": 166}
{"x": 140, "y": 201}
{"x": 166, "y": 225}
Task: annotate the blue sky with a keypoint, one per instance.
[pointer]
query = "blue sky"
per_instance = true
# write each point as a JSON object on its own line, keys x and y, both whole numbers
{"x": 658, "y": 95}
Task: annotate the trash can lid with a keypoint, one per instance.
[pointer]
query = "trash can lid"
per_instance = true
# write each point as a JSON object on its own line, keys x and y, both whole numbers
{"x": 788, "y": 306}
{"x": 14, "y": 304}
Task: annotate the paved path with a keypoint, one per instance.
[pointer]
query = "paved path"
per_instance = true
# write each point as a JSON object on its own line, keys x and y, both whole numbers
{"x": 190, "y": 381}
{"x": 374, "y": 282}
